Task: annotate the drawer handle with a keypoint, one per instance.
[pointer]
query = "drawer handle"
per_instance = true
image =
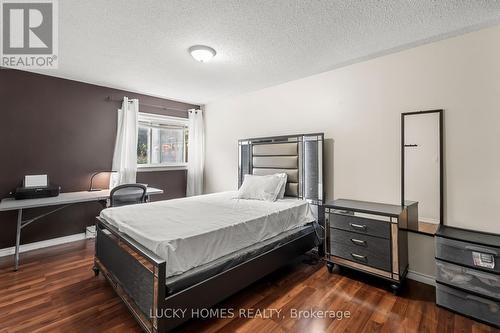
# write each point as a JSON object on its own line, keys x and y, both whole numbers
{"x": 357, "y": 226}
{"x": 358, "y": 256}
{"x": 493, "y": 306}
{"x": 343, "y": 212}
{"x": 481, "y": 249}
{"x": 358, "y": 241}
{"x": 481, "y": 275}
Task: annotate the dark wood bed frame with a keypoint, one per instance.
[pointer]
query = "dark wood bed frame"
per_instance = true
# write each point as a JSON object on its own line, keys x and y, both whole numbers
{"x": 139, "y": 276}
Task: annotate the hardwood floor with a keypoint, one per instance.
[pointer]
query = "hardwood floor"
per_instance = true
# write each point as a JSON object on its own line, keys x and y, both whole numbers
{"x": 56, "y": 291}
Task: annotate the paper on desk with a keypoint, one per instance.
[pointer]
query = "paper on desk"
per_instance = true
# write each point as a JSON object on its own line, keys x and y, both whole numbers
{"x": 35, "y": 180}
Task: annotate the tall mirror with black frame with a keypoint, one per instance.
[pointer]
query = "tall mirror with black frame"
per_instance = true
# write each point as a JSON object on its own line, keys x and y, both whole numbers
{"x": 422, "y": 170}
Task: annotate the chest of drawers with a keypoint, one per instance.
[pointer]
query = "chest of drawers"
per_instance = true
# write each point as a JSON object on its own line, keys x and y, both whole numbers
{"x": 365, "y": 236}
{"x": 468, "y": 273}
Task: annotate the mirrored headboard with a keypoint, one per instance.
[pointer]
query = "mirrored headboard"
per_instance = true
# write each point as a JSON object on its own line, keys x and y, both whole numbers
{"x": 299, "y": 156}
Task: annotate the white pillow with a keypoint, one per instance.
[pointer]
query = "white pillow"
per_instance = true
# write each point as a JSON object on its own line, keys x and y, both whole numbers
{"x": 284, "y": 177}
{"x": 260, "y": 187}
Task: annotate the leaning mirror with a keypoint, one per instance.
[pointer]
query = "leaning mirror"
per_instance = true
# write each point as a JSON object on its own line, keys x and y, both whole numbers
{"x": 422, "y": 169}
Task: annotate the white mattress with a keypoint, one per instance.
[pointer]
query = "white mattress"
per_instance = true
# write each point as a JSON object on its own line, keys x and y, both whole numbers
{"x": 193, "y": 231}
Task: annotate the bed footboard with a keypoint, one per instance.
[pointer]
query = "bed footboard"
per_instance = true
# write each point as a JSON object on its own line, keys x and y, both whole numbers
{"x": 136, "y": 274}
{"x": 215, "y": 289}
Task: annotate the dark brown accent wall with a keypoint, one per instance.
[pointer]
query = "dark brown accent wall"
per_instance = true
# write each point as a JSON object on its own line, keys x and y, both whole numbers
{"x": 65, "y": 129}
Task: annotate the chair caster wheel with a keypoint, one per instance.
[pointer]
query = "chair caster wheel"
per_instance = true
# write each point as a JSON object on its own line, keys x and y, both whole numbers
{"x": 330, "y": 266}
{"x": 96, "y": 271}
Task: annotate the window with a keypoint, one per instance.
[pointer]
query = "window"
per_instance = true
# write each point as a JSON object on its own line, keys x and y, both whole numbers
{"x": 162, "y": 141}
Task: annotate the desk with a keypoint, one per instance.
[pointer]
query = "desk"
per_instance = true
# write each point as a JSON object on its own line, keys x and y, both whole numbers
{"x": 63, "y": 200}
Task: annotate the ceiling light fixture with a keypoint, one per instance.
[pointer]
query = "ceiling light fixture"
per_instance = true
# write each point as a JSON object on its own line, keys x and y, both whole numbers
{"x": 202, "y": 53}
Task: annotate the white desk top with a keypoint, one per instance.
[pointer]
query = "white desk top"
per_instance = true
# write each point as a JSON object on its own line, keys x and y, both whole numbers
{"x": 62, "y": 199}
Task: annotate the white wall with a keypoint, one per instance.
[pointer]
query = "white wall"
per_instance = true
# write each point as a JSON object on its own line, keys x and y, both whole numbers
{"x": 359, "y": 107}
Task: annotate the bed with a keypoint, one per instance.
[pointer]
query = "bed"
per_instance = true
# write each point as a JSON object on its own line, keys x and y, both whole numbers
{"x": 192, "y": 253}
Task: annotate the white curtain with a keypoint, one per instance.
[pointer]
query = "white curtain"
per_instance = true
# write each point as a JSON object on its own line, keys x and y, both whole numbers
{"x": 196, "y": 153}
{"x": 125, "y": 155}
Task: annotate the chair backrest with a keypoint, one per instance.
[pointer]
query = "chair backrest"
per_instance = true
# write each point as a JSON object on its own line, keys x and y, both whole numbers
{"x": 127, "y": 194}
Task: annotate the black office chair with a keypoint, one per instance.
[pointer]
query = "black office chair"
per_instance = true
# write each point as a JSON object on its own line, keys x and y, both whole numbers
{"x": 127, "y": 194}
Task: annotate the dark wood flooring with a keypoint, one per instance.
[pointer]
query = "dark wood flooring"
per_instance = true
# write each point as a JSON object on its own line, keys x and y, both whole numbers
{"x": 55, "y": 291}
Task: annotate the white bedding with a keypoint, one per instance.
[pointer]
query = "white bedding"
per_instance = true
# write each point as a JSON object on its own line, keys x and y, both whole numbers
{"x": 193, "y": 231}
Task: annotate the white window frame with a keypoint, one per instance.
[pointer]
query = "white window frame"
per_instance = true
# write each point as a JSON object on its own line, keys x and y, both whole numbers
{"x": 156, "y": 119}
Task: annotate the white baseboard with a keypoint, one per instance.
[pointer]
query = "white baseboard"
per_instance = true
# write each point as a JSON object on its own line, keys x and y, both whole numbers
{"x": 420, "y": 277}
{"x": 39, "y": 245}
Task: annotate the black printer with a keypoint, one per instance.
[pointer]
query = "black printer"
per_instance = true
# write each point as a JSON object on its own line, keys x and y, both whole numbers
{"x": 36, "y": 186}
{"x": 36, "y": 192}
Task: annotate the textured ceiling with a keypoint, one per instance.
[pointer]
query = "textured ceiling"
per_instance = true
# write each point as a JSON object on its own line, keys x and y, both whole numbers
{"x": 141, "y": 45}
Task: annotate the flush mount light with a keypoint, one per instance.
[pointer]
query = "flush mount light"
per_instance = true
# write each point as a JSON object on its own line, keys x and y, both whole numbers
{"x": 202, "y": 53}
